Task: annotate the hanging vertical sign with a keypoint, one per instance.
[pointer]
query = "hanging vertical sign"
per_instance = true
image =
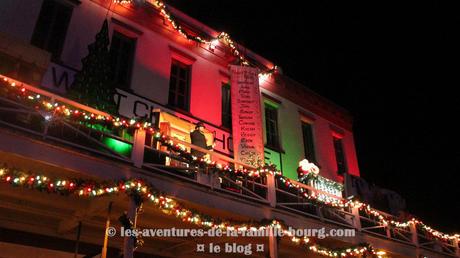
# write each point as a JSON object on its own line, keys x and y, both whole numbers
{"x": 248, "y": 141}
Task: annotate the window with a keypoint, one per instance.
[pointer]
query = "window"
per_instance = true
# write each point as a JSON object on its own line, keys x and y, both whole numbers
{"x": 179, "y": 85}
{"x": 51, "y": 28}
{"x": 122, "y": 50}
{"x": 308, "y": 145}
{"x": 271, "y": 124}
{"x": 226, "y": 106}
{"x": 339, "y": 155}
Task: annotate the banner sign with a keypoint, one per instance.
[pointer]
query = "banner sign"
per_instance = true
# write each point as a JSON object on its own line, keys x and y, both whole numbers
{"x": 248, "y": 141}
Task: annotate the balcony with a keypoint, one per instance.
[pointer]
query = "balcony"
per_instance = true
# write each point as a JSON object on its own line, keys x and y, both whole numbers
{"x": 82, "y": 147}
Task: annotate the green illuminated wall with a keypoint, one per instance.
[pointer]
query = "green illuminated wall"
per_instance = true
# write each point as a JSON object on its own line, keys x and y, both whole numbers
{"x": 290, "y": 138}
{"x": 118, "y": 146}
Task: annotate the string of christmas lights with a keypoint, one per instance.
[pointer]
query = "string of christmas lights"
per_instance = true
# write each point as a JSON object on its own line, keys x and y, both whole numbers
{"x": 88, "y": 188}
{"x": 382, "y": 218}
{"x": 212, "y": 43}
{"x": 212, "y": 165}
{"x": 325, "y": 181}
{"x": 122, "y": 1}
{"x": 53, "y": 110}
{"x": 16, "y": 92}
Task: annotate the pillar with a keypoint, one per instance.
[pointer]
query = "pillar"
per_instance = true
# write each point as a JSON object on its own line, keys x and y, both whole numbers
{"x": 128, "y": 242}
{"x": 137, "y": 154}
{"x": 271, "y": 189}
{"x": 356, "y": 218}
{"x": 413, "y": 232}
{"x": 273, "y": 244}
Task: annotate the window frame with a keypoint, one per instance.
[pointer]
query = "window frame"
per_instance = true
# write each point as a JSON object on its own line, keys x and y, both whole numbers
{"x": 225, "y": 86}
{"x": 272, "y": 145}
{"x": 124, "y": 39}
{"x": 46, "y": 40}
{"x": 341, "y": 169}
{"x": 312, "y": 152}
{"x": 188, "y": 79}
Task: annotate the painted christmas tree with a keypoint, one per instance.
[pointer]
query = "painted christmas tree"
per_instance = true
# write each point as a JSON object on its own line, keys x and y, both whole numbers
{"x": 93, "y": 85}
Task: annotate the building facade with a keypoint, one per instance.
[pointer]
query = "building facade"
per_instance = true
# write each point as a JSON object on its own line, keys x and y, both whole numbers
{"x": 161, "y": 76}
{"x": 149, "y": 54}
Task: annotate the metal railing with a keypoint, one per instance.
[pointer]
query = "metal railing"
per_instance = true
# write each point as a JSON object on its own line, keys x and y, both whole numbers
{"x": 152, "y": 156}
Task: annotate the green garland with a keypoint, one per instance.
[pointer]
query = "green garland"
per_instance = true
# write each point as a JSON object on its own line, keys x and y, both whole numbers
{"x": 327, "y": 182}
{"x": 12, "y": 90}
{"x": 146, "y": 193}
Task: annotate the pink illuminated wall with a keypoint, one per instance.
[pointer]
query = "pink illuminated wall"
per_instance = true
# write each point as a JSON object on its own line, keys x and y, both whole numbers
{"x": 157, "y": 44}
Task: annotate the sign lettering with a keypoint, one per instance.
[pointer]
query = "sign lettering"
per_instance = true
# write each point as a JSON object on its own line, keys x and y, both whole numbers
{"x": 246, "y": 115}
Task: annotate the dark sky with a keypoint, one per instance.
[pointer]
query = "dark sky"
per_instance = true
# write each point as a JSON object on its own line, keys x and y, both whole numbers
{"x": 395, "y": 70}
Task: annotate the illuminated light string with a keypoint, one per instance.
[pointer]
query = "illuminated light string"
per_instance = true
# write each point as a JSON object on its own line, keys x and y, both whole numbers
{"x": 383, "y": 218}
{"x": 138, "y": 187}
{"x": 122, "y": 1}
{"x": 75, "y": 115}
{"x": 212, "y": 43}
{"x": 265, "y": 75}
{"x": 17, "y": 92}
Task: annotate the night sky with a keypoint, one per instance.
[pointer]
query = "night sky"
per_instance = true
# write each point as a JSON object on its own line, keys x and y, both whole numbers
{"x": 395, "y": 71}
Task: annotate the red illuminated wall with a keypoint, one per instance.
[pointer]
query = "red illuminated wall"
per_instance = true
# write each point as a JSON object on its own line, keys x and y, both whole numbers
{"x": 157, "y": 44}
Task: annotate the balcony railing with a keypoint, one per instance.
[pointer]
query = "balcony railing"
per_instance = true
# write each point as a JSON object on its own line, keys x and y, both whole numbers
{"x": 139, "y": 149}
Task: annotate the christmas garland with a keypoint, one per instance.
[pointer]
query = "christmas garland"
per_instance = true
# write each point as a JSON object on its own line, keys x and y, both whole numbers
{"x": 223, "y": 36}
{"x": 51, "y": 110}
{"x": 306, "y": 178}
{"x": 140, "y": 189}
{"x": 382, "y": 218}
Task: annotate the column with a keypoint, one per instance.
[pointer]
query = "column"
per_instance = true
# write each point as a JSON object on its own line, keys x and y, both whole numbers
{"x": 128, "y": 242}
{"x": 273, "y": 244}
{"x": 271, "y": 189}
{"x": 137, "y": 154}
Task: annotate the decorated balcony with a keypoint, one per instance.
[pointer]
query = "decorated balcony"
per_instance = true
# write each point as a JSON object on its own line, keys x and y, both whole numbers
{"x": 161, "y": 150}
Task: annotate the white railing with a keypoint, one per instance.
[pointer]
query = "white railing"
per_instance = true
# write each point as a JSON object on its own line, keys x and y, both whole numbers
{"x": 267, "y": 189}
